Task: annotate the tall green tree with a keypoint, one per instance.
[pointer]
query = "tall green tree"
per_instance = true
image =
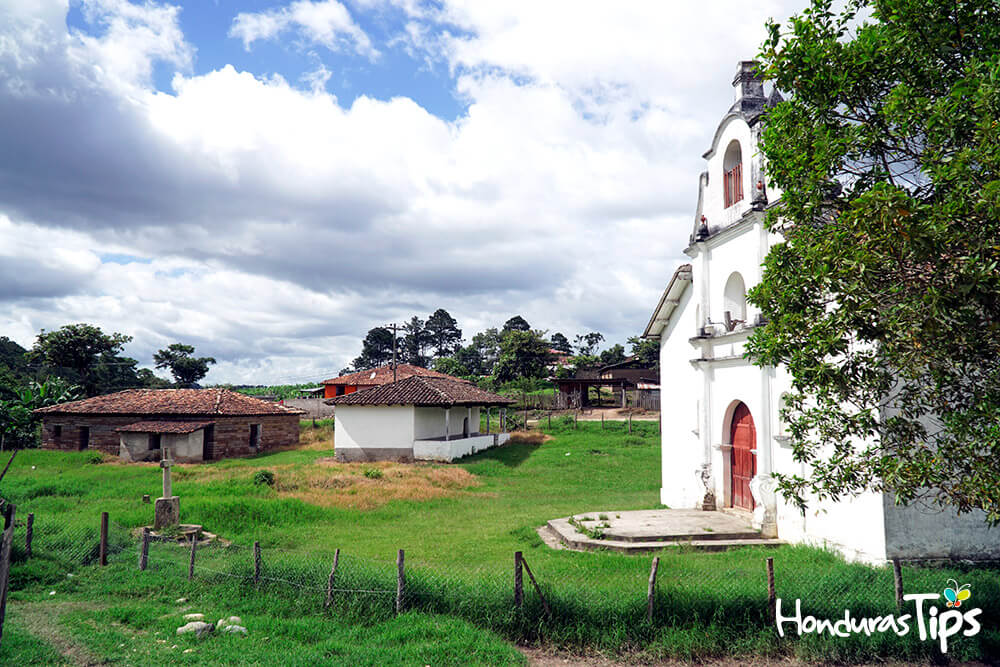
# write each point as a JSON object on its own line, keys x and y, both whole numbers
{"x": 376, "y": 349}
{"x": 561, "y": 343}
{"x": 586, "y": 344}
{"x": 443, "y": 333}
{"x": 516, "y": 323}
{"x": 487, "y": 346}
{"x": 414, "y": 342}
{"x": 179, "y": 359}
{"x": 613, "y": 355}
{"x": 86, "y": 356}
{"x": 883, "y": 301}
{"x": 523, "y": 354}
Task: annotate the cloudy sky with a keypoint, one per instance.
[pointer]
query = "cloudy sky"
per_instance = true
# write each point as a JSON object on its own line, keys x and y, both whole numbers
{"x": 267, "y": 180}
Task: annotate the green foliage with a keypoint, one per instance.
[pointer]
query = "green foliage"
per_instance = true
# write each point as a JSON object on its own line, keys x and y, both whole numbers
{"x": 586, "y": 344}
{"x": 646, "y": 352}
{"x": 92, "y": 457}
{"x": 18, "y": 424}
{"x": 884, "y": 300}
{"x": 85, "y": 355}
{"x": 450, "y": 366}
{"x": 443, "y": 333}
{"x": 376, "y": 349}
{"x": 183, "y": 365}
{"x": 373, "y": 473}
{"x": 263, "y": 478}
{"x": 561, "y": 343}
{"x": 523, "y": 354}
{"x": 414, "y": 342}
{"x": 516, "y": 323}
{"x": 613, "y": 355}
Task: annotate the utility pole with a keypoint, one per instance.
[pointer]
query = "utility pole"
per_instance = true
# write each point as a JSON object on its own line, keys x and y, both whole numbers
{"x": 395, "y": 328}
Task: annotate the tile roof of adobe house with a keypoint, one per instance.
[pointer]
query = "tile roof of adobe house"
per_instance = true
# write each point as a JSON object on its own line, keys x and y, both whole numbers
{"x": 171, "y": 402}
{"x": 383, "y": 375}
{"x": 423, "y": 391}
{"x": 163, "y": 427}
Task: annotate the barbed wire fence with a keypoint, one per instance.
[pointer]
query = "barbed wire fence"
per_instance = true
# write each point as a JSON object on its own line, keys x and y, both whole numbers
{"x": 525, "y": 601}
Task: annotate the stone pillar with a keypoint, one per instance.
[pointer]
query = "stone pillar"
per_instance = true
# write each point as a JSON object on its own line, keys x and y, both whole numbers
{"x": 167, "y": 510}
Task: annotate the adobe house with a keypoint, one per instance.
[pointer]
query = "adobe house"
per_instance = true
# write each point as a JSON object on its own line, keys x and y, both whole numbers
{"x": 420, "y": 418}
{"x": 375, "y": 377}
{"x": 197, "y": 424}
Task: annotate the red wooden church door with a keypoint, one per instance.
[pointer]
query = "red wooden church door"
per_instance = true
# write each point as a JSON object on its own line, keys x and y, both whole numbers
{"x": 743, "y": 461}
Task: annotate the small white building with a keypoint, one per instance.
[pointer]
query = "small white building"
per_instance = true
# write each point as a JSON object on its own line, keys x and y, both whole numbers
{"x": 416, "y": 419}
{"x": 722, "y": 435}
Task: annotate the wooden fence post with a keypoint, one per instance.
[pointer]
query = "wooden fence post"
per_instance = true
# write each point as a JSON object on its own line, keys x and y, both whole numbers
{"x": 518, "y": 581}
{"x": 652, "y": 589}
{"x": 29, "y": 534}
{"x": 526, "y": 419}
{"x": 602, "y": 420}
{"x": 771, "y": 597}
{"x": 329, "y": 581}
{"x": 144, "y": 549}
{"x": 194, "y": 545}
{"x": 897, "y": 581}
{"x": 400, "y": 582}
{"x": 630, "y": 423}
{"x": 256, "y": 562}
{"x": 6, "y": 543}
{"x": 104, "y": 539}
{"x": 550, "y": 419}
{"x": 545, "y": 605}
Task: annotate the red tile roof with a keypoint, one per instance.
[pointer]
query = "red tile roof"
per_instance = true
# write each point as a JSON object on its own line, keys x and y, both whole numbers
{"x": 383, "y": 375}
{"x": 171, "y": 402}
{"x": 423, "y": 391}
{"x": 163, "y": 427}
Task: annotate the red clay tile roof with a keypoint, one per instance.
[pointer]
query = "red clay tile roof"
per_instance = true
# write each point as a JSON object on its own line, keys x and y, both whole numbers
{"x": 383, "y": 375}
{"x": 163, "y": 427}
{"x": 171, "y": 402}
{"x": 423, "y": 391}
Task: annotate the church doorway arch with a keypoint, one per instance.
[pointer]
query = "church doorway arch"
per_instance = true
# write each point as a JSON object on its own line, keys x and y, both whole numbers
{"x": 743, "y": 459}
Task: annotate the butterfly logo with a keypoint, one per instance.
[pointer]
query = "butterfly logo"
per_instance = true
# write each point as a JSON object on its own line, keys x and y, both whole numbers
{"x": 956, "y": 594}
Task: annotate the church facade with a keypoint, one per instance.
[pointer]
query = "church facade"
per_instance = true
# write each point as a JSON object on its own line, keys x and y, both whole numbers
{"x": 722, "y": 436}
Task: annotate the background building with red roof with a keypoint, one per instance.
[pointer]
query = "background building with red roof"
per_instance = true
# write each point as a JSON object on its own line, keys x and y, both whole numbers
{"x": 375, "y": 377}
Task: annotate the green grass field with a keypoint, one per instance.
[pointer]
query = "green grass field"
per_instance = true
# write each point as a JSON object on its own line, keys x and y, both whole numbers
{"x": 459, "y": 526}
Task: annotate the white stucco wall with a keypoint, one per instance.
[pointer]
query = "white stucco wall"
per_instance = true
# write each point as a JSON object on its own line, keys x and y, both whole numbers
{"x": 732, "y": 128}
{"x": 680, "y": 400}
{"x": 451, "y": 450}
{"x": 374, "y": 427}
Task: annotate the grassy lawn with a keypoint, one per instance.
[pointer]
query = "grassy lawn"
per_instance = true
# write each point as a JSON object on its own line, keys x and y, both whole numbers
{"x": 459, "y": 524}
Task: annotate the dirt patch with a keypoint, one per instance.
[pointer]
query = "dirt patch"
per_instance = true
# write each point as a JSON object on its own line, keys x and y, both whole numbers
{"x": 369, "y": 485}
{"x": 41, "y": 619}
{"x": 529, "y": 437}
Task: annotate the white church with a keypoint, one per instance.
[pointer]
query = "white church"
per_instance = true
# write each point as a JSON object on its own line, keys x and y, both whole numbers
{"x": 722, "y": 435}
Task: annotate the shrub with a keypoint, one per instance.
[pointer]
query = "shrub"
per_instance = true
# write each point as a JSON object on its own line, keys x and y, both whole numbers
{"x": 93, "y": 457}
{"x": 373, "y": 473}
{"x": 263, "y": 477}
{"x": 633, "y": 440}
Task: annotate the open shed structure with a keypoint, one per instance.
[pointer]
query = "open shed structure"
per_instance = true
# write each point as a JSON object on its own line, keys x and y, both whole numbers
{"x": 420, "y": 418}
{"x": 630, "y": 375}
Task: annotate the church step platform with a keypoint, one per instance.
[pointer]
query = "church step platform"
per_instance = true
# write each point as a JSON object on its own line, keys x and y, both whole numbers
{"x": 641, "y": 531}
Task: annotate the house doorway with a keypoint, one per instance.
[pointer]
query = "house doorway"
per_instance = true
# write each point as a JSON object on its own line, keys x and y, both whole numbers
{"x": 743, "y": 459}
{"x": 465, "y": 427}
{"x": 208, "y": 452}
